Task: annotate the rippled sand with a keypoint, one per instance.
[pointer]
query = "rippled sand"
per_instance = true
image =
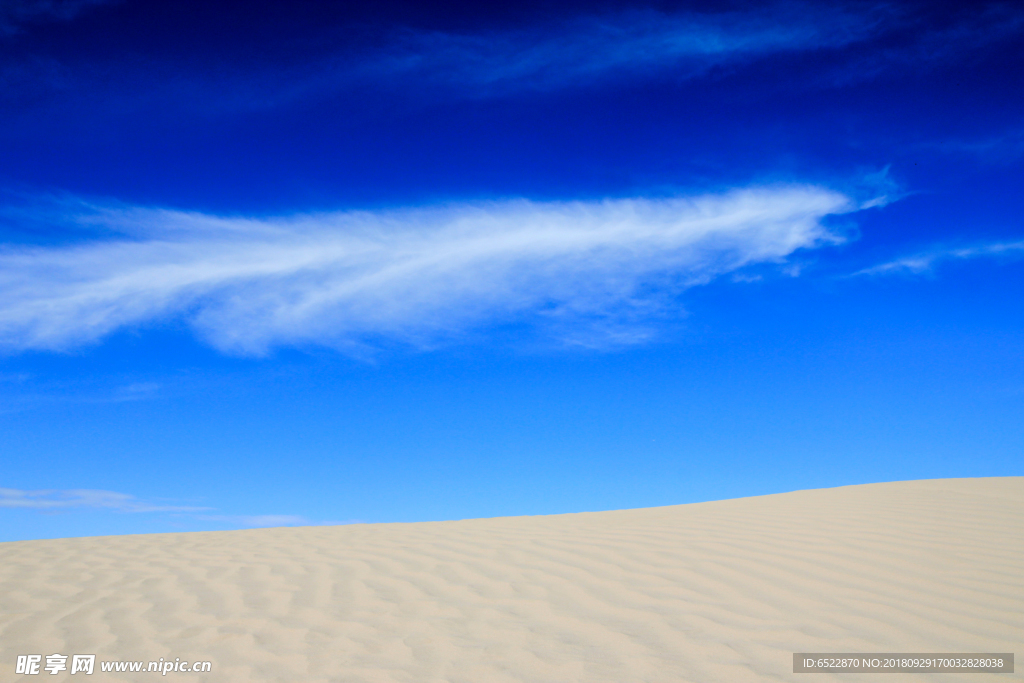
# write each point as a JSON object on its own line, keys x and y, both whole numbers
{"x": 721, "y": 591}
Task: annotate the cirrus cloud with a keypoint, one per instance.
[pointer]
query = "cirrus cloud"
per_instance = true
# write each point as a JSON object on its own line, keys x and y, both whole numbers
{"x": 925, "y": 262}
{"x": 79, "y": 500}
{"x": 589, "y": 47}
{"x": 413, "y": 275}
{"x": 51, "y": 499}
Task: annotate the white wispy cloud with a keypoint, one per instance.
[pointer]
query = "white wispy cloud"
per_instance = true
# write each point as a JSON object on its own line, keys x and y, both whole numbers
{"x": 587, "y": 49}
{"x": 257, "y": 520}
{"x": 594, "y": 46}
{"x": 51, "y": 499}
{"x": 547, "y": 55}
{"x": 342, "y": 278}
{"x": 926, "y": 261}
{"x": 865, "y": 41}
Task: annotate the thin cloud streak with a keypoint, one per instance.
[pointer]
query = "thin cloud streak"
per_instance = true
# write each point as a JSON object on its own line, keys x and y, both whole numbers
{"x": 50, "y": 499}
{"x": 579, "y": 51}
{"x": 53, "y": 500}
{"x": 258, "y": 520}
{"x": 598, "y": 48}
{"x": 412, "y": 275}
{"x": 585, "y": 50}
{"x": 926, "y": 262}
{"x": 591, "y": 47}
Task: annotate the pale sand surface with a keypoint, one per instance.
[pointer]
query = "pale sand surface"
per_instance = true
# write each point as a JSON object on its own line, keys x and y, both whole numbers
{"x": 721, "y": 591}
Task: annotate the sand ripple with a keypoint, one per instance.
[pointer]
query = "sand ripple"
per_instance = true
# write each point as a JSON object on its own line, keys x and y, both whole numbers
{"x": 722, "y": 591}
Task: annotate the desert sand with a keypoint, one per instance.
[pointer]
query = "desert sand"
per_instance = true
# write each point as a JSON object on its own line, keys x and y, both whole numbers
{"x": 718, "y": 591}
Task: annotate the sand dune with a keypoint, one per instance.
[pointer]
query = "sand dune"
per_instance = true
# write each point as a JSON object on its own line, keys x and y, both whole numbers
{"x": 721, "y": 591}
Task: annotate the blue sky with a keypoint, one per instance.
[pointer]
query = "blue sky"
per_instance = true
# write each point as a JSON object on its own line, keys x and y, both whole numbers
{"x": 307, "y": 263}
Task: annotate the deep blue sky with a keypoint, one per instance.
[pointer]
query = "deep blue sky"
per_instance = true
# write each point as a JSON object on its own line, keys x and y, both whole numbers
{"x": 303, "y": 263}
